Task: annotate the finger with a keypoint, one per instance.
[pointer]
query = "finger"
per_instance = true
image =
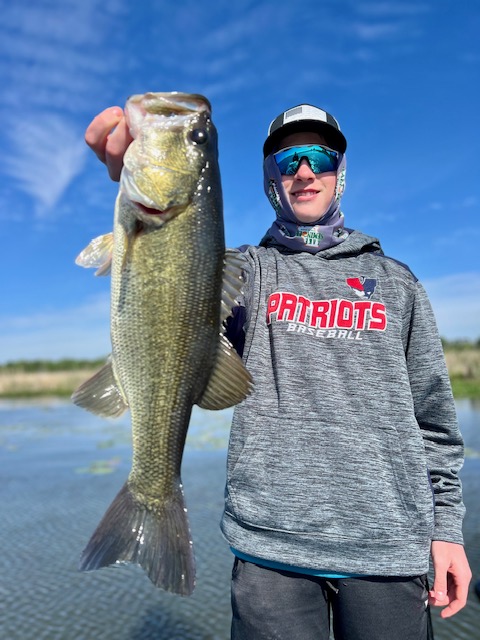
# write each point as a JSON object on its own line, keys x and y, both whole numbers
{"x": 96, "y": 135}
{"x": 451, "y": 610}
{"x": 116, "y": 145}
{"x": 454, "y": 606}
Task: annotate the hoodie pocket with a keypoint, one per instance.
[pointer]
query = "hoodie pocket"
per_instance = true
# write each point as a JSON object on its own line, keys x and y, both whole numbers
{"x": 348, "y": 483}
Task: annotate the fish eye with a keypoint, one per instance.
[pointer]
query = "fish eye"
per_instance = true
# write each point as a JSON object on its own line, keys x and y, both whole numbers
{"x": 198, "y": 136}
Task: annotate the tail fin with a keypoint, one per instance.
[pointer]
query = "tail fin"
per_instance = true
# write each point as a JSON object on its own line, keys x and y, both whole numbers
{"x": 158, "y": 540}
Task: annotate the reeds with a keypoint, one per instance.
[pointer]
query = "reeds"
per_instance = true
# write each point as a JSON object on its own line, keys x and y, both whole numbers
{"x": 44, "y": 378}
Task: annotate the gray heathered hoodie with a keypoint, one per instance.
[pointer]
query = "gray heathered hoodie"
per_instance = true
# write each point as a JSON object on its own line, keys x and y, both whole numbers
{"x": 346, "y": 456}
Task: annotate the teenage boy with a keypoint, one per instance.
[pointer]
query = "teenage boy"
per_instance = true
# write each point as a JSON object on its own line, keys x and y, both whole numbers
{"x": 343, "y": 464}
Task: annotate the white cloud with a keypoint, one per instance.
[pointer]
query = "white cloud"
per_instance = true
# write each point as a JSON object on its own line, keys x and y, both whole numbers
{"x": 242, "y": 25}
{"x": 469, "y": 201}
{"x": 390, "y": 9}
{"x": 51, "y": 72}
{"x": 53, "y": 47}
{"x": 386, "y": 21}
{"x": 83, "y": 331}
{"x": 368, "y": 31}
{"x": 456, "y": 302}
{"x": 46, "y": 154}
{"x": 374, "y": 219}
{"x": 78, "y": 332}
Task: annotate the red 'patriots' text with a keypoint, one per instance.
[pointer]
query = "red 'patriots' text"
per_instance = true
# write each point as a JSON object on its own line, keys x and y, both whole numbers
{"x": 358, "y": 315}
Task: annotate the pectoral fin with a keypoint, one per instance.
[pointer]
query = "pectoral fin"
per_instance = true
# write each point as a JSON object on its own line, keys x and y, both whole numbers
{"x": 98, "y": 254}
{"x": 230, "y": 382}
{"x": 101, "y": 394}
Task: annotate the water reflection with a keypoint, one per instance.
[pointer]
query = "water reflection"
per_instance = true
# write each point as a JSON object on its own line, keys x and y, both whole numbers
{"x": 59, "y": 469}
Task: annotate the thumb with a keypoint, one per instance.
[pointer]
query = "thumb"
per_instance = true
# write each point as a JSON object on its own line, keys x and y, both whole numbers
{"x": 439, "y": 591}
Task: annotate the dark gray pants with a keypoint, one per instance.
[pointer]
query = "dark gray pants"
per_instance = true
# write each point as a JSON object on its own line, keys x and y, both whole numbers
{"x": 278, "y": 605}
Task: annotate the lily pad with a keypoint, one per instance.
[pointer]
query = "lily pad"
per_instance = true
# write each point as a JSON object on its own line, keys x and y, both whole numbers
{"x": 100, "y": 467}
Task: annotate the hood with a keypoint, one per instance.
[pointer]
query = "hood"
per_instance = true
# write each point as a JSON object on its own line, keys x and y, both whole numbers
{"x": 355, "y": 244}
{"x": 316, "y": 236}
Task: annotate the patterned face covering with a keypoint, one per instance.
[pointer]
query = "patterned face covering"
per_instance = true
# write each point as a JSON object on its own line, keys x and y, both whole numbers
{"x": 325, "y": 232}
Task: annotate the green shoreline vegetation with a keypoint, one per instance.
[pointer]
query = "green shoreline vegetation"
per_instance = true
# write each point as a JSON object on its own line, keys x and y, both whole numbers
{"x": 23, "y": 379}
{"x": 59, "y": 378}
{"x": 463, "y": 363}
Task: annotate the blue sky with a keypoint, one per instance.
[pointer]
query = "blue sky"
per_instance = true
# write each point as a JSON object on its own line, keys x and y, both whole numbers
{"x": 402, "y": 77}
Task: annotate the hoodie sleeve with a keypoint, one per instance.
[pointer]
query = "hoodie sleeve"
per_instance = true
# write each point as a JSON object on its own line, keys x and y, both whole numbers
{"x": 436, "y": 416}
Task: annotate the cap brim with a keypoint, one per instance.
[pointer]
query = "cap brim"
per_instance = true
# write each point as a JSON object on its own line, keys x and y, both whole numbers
{"x": 334, "y": 137}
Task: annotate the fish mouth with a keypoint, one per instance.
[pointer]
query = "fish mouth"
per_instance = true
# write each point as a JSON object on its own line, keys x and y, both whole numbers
{"x": 150, "y": 211}
{"x": 142, "y": 202}
{"x": 162, "y": 215}
{"x": 166, "y": 104}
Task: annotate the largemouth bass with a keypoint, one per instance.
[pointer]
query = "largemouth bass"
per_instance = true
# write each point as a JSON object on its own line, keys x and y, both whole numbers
{"x": 173, "y": 286}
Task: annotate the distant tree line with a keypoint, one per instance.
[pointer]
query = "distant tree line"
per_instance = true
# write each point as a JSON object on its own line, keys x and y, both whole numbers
{"x": 72, "y": 364}
{"x": 66, "y": 364}
{"x": 460, "y": 345}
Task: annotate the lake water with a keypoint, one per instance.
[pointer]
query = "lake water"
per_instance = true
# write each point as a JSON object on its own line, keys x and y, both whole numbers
{"x": 59, "y": 469}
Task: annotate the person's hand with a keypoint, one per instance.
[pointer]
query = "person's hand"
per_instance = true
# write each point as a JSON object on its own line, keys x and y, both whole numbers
{"x": 108, "y": 136}
{"x": 452, "y": 577}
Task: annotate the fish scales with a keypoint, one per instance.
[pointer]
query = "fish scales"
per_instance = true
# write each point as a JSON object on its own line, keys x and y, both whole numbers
{"x": 166, "y": 338}
{"x": 168, "y": 299}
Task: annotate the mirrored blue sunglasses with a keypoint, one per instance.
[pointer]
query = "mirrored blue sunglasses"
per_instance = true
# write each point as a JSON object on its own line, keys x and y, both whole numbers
{"x": 321, "y": 159}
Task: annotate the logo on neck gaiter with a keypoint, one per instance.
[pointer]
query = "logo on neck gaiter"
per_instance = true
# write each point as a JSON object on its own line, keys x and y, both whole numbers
{"x": 310, "y": 235}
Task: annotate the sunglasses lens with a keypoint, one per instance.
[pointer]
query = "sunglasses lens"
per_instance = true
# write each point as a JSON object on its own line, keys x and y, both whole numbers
{"x": 321, "y": 159}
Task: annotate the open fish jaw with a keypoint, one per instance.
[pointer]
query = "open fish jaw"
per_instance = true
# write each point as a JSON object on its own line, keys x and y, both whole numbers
{"x": 162, "y": 166}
